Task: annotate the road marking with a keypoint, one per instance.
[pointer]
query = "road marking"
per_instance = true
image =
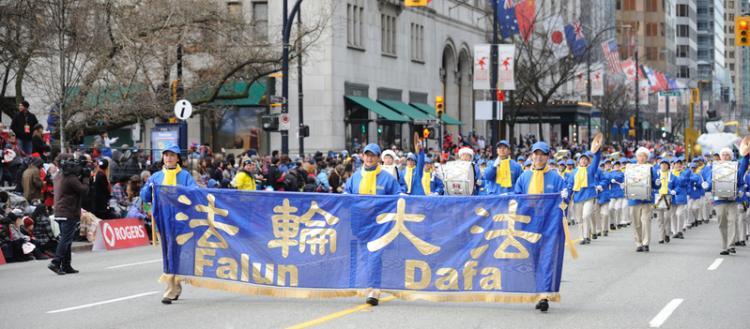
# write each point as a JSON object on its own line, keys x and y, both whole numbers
{"x": 103, "y": 302}
{"x": 660, "y": 318}
{"x": 333, "y": 316}
{"x": 715, "y": 264}
{"x": 134, "y": 264}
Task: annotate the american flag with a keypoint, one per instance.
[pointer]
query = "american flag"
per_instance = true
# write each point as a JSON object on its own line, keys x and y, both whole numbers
{"x": 613, "y": 55}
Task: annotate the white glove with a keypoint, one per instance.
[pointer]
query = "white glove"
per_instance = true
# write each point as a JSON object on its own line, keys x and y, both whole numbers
{"x": 673, "y": 192}
{"x": 658, "y": 182}
{"x": 434, "y": 193}
{"x": 747, "y": 194}
{"x": 614, "y": 181}
{"x": 564, "y": 193}
{"x": 704, "y": 185}
{"x": 599, "y": 188}
{"x": 402, "y": 193}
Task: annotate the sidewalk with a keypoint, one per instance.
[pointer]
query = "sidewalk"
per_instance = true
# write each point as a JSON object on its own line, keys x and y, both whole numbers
{"x": 82, "y": 246}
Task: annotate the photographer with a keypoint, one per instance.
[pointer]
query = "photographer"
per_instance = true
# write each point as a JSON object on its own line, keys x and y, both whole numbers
{"x": 69, "y": 187}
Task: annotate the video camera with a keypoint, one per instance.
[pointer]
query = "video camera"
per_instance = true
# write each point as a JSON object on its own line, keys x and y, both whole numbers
{"x": 75, "y": 167}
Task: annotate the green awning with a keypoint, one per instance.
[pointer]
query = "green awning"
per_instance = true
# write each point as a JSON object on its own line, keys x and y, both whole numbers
{"x": 406, "y": 110}
{"x": 430, "y": 110}
{"x": 238, "y": 93}
{"x": 104, "y": 97}
{"x": 376, "y": 107}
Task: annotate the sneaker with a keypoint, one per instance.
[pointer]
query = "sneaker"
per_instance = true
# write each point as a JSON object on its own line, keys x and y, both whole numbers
{"x": 69, "y": 270}
{"x": 56, "y": 269}
{"x": 645, "y": 249}
{"x": 725, "y": 252}
{"x": 731, "y": 250}
{"x": 639, "y": 249}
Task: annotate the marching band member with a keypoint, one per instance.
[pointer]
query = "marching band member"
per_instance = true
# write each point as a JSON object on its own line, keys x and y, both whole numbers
{"x": 663, "y": 197}
{"x": 695, "y": 196}
{"x": 740, "y": 228}
{"x": 583, "y": 185}
{"x": 641, "y": 210}
{"x": 705, "y": 173}
{"x": 617, "y": 193}
{"x": 372, "y": 180}
{"x": 503, "y": 173}
{"x": 390, "y": 163}
{"x": 726, "y": 208}
{"x": 412, "y": 173}
{"x": 467, "y": 154}
{"x": 603, "y": 198}
{"x": 679, "y": 198}
{"x": 431, "y": 184}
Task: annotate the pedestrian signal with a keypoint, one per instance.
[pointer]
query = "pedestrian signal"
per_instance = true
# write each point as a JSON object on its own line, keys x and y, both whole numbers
{"x": 426, "y": 133}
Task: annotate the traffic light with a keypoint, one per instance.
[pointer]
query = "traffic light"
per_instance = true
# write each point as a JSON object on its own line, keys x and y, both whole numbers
{"x": 380, "y": 130}
{"x": 695, "y": 95}
{"x": 304, "y": 131}
{"x": 426, "y": 133}
{"x": 632, "y": 122}
{"x": 269, "y": 122}
{"x": 416, "y": 3}
{"x": 742, "y": 28}
{"x": 173, "y": 90}
{"x": 439, "y": 106}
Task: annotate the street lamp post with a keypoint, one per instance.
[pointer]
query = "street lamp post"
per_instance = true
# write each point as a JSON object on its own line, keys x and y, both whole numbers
{"x": 286, "y": 32}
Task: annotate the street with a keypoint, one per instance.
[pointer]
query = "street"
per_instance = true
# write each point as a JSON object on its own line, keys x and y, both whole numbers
{"x": 609, "y": 286}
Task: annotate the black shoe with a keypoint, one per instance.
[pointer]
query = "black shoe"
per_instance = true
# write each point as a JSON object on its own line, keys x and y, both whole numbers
{"x": 612, "y": 227}
{"x": 731, "y": 250}
{"x": 606, "y": 233}
{"x": 56, "y": 268}
{"x": 680, "y": 235}
{"x": 661, "y": 242}
{"x": 166, "y": 301}
{"x": 372, "y": 301}
{"x": 41, "y": 257}
{"x": 69, "y": 270}
{"x": 725, "y": 252}
{"x": 639, "y": 249}
{"x": 645, "y": 248}
{"x": 542, "y": 305}
{"x": 743, "y": 243}
{"x": 594, "y": 237}
{"x": 666, "y": 239}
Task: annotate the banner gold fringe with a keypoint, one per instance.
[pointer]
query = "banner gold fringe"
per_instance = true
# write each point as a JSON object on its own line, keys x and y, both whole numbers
{"x": 568, "y": 240}
{"x": 285, "y": 292}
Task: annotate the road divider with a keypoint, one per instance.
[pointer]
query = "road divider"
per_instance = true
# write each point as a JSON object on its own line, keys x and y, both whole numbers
{"x": 665, "y": 312}
{"x": 135, "y": 264}
{"x": 715, "y": 264}
{"x": 102, "y": 302}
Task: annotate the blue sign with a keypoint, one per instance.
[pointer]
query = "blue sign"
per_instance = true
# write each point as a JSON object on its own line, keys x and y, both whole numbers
{"x": 494, "y": 248}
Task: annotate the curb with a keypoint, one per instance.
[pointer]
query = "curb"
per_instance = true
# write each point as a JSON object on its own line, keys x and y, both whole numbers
{"x": 81, "y": 246}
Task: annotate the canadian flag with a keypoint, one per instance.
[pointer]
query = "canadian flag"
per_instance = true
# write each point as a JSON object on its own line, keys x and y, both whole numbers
{"x": 556, "y": 36}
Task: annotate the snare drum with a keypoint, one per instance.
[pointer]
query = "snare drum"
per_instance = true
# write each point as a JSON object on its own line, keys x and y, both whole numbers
{"x": 458, "y": 177}
{"x": 638, "y": 181}
{"x": 724, "y": 179}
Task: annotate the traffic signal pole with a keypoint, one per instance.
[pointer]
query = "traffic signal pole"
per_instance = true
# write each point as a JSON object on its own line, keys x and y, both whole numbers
{"x": 286, "y": 33}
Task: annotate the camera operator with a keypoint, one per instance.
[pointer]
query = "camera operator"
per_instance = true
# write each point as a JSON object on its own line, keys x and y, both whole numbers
{"x": 69, "y": 187}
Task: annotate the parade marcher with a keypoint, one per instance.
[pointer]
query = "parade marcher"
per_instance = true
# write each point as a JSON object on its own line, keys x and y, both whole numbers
{"x": 431, "y": 184}
{"x": 617, "y": 194}
{"x": 663, "y": 196}
{"x": 69, "y": 187}
{"x": 503, "y": 172}
{"x": 540, "y": 179}
{"x": 740, "y": 227}
{"x": 681, "y": 187}
{"x": 705, "y": 172}
{"x": 695, "y": 195}
{"x": 171, "y": 174}
{"x": 583, "y": 187}
{"x": 371, "y": 180}
{"x": 390, "y": 164}
{"x": 604, "y": 198}
{"x": 22, "y": 125}
{"x": 412, "y": 174}
{"x": 641, "y": 210}
{"x": 726, "y": 208}
{"x": 245, "y": 178}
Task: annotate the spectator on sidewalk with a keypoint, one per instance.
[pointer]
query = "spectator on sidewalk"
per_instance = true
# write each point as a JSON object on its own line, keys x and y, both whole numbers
{"x": 22, "y": 125}
{"x": 38, "y": 145}
{"x": 32, "y": 180}
{"x": 102, "y": 190}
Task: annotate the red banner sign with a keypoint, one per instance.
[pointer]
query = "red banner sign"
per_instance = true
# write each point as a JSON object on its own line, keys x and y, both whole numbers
{"x": 120, "y": 234}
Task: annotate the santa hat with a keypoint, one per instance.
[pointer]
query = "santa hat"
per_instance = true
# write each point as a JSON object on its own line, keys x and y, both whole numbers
{"x": 27, "y": 221}
{"x": 465, "y": 150}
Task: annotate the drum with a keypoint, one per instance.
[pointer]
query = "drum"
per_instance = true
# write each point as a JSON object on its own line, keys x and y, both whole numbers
{"x": 458, "y": 177}
{"x": 638, "y": 181}
{"x": 724, "y": 179}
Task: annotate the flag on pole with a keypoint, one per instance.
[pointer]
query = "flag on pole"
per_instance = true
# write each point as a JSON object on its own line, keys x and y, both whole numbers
{"x": 661, "y": 81}
{"x": 612, "y": 54}
{"x": 556, "y": 35}
{"x": 580, "y": 83}
{"x": 506, "y": 54}
{"x": 516, "y": 16}
{"x": 482, "y": 64}
{"x": 628, "y": 67}
{"x": 650, "y": 76}
{"x": 576, "y": 39}
{"x": 526, "y": 15}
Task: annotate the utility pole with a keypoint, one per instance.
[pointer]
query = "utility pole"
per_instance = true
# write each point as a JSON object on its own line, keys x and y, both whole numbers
{"x": 300, "y": 95}
{"x": 493, "y": 76}
{"x": 61, "y": 41}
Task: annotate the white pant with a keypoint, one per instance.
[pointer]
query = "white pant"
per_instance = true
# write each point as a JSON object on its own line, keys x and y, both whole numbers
{"x": 695, "y": 210}
{"x": 641, "y": 217}
{"x": 677, "y": 220}
{"x": 706, "y": 205}
{"x": 584, "y": 212}
{"x": 604, "y": 216}
{"x": 740, "y": 228}
{"x": 663, "y": 218}
{"x": 726, "y": 214}
{"x": 624, "y": 211}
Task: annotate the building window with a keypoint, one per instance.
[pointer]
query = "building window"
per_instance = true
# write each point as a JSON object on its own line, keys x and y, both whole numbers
{"x": 417, "y": 42}
{"x": 683, "y": 31}
{"x": 651, "y": 53}
{"x": 684, "y": 72}
{"x": 388, "y": 34}
{"x": 731, "y": 67}
{"x": 651, "y": 29}
{"x": 629, "y": 5}
{"x": 730, "y": 54}
{"x": 354, "y": 25}
{"x": 683, "y": 51}
{"x": 651, "y": 5}
{"x": 260, "y": 20}
{"x": 731, "y": 41}
{"x": 234, "y": 13}
{"x": 683, "y": 11}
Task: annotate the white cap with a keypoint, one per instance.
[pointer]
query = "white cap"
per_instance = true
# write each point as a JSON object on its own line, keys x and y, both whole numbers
{"x": 643, "y": 150}
{"x": 727, "y": 151}
{"x": 465, "y": 150}
{"x": 390, "y": 153}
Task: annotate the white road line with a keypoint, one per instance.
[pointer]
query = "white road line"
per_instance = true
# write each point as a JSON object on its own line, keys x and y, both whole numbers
{"x": 134, "y": 264}
{"x": 660, "y": 318}
{"x": 103, "y": 302}
{"x": 715, "y": 264}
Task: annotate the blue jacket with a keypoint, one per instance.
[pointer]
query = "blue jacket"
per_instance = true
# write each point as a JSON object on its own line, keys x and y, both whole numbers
{"x": 386, "y": 184}
{"x": 604, "y": 181}
{"x": 681, "y": 186}
{"x": 184, "y": 178}
{"x": 742, "y": 168}
{"x": 553, "y": 183}
{"x": 490, "y": 174}
{"x": 654, "y": 187}
{"x": 617, "y": 192}
{"x": 695, "y": 190}
{"x": 586, "y": 193}
{"x": 416, "y": 177}
{"x": 436, "y": 186}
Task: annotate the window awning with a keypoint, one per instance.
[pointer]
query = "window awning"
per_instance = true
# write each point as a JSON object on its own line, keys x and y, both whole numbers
{"x": 238, "y": 93}
{"x": 379, "y": 109}
{"x": 407, "y": 110}
{"x": 430, "y": 110}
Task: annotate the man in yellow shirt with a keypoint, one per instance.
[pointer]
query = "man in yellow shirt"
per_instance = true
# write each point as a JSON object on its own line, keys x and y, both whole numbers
{"x": 245, "y": 179}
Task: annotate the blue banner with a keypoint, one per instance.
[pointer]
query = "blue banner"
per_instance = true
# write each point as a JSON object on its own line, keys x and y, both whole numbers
{"x": 485, "y": 248}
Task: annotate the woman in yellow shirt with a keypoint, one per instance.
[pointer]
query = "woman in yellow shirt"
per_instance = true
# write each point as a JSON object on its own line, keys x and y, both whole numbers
{"x": 245, "y": 180}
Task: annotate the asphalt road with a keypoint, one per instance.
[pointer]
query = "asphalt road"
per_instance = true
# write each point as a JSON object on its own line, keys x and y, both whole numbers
{"x": 609, "y": 286}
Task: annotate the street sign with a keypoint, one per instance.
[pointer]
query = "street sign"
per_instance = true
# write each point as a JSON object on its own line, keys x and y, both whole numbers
{"x": 669, "y": 93}
{"x": 183, "y": 109}
{"x": 284, "y": 122}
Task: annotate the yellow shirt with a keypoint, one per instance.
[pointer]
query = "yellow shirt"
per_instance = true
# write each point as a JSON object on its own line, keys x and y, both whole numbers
{"x": 244, "y": 182}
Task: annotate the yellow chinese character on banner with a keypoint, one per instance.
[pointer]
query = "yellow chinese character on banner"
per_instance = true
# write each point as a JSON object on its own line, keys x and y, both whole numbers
{"x": 401, "y": 217}
{"x": 210, "y": 221}
{"x": 287, "y": 227}
{"x": 510, "y": 233}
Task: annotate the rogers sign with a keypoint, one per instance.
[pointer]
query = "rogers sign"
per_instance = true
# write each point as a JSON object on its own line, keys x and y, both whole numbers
{"x": 123, "y": 233}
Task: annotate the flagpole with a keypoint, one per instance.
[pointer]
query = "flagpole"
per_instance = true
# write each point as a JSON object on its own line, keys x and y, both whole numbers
{"x": 493, "y": 75}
